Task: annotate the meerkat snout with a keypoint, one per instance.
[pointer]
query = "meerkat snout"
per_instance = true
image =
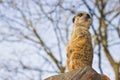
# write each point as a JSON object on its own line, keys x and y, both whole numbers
{"x": 84, "y": 14}
{"x": 87, "y": 16}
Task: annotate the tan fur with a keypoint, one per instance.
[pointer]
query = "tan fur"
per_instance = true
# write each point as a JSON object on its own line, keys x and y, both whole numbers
{"x": 79, "y": 48}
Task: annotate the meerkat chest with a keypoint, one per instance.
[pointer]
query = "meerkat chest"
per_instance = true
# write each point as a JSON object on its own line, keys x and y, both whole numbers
{"x": 80, "y": 34}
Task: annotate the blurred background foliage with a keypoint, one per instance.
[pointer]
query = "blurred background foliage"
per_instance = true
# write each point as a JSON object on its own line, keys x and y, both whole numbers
{"x": 34, "y": 34}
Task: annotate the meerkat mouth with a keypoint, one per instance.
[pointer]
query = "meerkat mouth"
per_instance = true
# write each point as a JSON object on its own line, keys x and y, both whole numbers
{"x": 86, "y": 19}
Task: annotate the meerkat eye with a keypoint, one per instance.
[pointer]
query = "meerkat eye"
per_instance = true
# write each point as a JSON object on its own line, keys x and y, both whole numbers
{"x": 80, "y": 15}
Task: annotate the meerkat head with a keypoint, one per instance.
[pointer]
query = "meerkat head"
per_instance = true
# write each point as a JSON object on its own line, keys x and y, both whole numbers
{"x": 82, "y": 19}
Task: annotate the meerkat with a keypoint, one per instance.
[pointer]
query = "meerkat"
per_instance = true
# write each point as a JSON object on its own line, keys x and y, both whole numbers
{"x": 79, "y": 49}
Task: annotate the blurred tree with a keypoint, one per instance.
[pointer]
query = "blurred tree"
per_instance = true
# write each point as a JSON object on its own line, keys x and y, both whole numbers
{"x": 46, "y": 25}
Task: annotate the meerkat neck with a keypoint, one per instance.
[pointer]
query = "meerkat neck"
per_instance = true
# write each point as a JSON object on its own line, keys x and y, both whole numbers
{"x": 78, "y": 27}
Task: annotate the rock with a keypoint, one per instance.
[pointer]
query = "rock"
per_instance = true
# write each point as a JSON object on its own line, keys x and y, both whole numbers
{"x": 86, "y": 73}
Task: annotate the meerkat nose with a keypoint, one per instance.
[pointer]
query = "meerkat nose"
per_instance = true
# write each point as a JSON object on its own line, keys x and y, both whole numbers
{"x": 87, "y": 16}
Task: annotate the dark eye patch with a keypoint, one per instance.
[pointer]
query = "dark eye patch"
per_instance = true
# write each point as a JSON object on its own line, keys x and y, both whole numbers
{"x": 80, "y": 14}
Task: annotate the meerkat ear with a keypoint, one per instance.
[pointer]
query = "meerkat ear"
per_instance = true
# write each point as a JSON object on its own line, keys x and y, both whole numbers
{"x": 73, "y": 19}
